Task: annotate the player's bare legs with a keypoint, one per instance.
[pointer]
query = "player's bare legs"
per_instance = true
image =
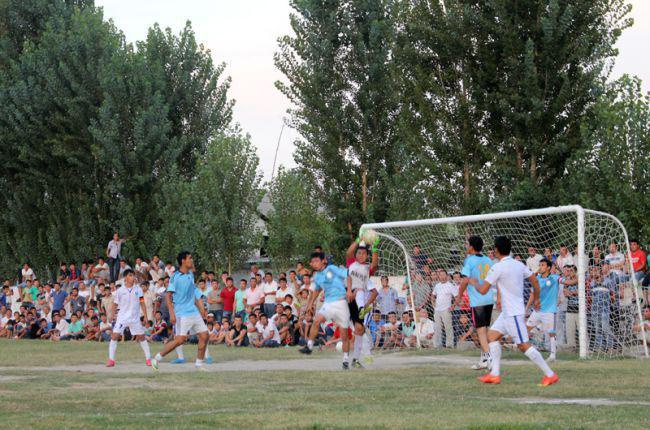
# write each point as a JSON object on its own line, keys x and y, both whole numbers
{"x": 494, "y": 377}
{"x": 173, "y": 344}
{"x": 203, "y": 345}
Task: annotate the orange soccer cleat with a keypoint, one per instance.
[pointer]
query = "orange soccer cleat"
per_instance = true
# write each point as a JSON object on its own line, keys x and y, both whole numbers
{"x": 110, "y": 363}
{"x": 550, "y": 380}
{"x": 490, "y": 379}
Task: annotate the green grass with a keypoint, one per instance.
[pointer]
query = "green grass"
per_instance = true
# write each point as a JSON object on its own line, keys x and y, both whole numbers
{"x": 428, "y": 396}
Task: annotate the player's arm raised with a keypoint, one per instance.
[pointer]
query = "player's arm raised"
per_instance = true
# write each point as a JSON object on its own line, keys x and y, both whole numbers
{"x": 374, "y": 262}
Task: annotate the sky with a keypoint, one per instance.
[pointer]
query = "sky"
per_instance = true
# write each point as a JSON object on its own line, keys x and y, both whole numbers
{"x": 243, "y": 34}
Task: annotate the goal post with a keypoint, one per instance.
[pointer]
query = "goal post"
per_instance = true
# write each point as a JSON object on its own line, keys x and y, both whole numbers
{"x": 602, "y": 321}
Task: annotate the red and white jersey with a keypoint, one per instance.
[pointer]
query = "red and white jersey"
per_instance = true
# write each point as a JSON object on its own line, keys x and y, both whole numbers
{"x": 128, "y": 303}
{"x": 359, "y": 274}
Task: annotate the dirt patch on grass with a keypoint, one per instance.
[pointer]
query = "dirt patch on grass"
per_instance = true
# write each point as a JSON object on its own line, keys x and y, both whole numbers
{"x": 585, "y": 402}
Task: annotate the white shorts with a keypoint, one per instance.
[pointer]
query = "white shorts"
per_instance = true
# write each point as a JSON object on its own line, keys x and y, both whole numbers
{"x": 545, "y": 320}
{"x": 189, "y": 325}
{"x": 135, "y": 327}
{"x": 337, "y": 311}
{"x": 512, "y": 326}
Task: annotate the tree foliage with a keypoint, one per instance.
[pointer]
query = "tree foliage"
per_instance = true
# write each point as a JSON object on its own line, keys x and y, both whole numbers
{"x": 296, "y": 222}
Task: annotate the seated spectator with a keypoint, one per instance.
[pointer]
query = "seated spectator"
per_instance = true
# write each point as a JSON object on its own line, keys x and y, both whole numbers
{"x": 467, "y": 332}
{"x": 269, "y": 336}
{"x": 43, "y": 329}
{"x": 159, "y": 333}
{"x": 92, "y": 329}
{"x": 425, "y": 330}
{"x": 148, "y": 329}
{"x": 238, "y": 333}
{"x": 407, "y": 331}
{"x": 105, "y": 329}
{"x": 20, "y": 328}
{"x": 60, "y": 327}
{"x": 374, "y": 328}
{"x": 389, "y": 332}
{"x": 251, "y": 329}
{"x": 213, "y": 332}
{"x": 285, "y": 331}
{"x": 336, "y": 342}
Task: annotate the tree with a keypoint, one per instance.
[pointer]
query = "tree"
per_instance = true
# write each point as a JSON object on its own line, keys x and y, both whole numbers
{"x": 296, "y": 222}
{"x": 215, "y": 213}
{"x": 612, "y": 173}
{"x": 345, "y": 104}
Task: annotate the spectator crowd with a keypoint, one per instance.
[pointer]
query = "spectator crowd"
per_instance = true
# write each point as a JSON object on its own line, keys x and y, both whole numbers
{"x": 264, "y": 310}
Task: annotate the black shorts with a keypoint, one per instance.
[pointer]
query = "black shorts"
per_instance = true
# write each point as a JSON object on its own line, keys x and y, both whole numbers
{"x": 354, "y": 312}
{"x": 482, "y": 315}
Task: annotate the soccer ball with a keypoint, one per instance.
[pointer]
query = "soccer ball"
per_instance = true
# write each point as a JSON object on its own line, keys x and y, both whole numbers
{"x": 368, "y": 236}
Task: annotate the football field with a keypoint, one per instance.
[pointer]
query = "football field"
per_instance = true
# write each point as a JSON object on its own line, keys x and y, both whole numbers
{"x": 64, "y": 385}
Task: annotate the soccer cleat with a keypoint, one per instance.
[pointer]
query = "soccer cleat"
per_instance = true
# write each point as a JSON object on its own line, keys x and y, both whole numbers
{"x": 305, "y": 350}
{"x": 346, "y": 365}
{"x": 148, "y": 362}
{"x": 154, "y": 364}
{"x": 357, "y": 364}
{"x": 178, "y": 361}
{"x": 208, "y": 360}
{"x": 490, "y": 379}
{"x": 550, "y": 380}
{"x": 110, "y": 363}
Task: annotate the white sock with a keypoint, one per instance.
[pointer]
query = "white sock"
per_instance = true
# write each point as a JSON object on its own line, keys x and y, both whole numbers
{"x": 495, "y": 353}
{"x": 537, "y": 358}
{"x": 310, "y": 344}
{"x": 553, "y": 345}
{"x": 179, "y": 352}
{"x": 158, "y": 357}
{"x": 346, "y": 357}
{"x": 145, "y": 347}
{"x": 112, "y": 347}
{"x": 358, "y": 344}
{"x": 198, "y": 362}
{"x": 207, "y": 353}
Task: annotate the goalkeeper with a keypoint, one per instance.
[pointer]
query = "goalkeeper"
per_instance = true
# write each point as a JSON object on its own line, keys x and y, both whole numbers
{"x": 361, "y": 292}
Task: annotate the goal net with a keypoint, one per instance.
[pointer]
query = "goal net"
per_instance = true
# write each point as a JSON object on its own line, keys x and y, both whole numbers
{"x": 599, "y": 309}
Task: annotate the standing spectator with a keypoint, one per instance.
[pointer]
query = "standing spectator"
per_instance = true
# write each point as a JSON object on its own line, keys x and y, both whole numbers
{"x": 26, "y": 274}
{"x": 549, "y": 255}
{"x": 113, "y": 252}
{"x": 565, "y": 258}
{"x": 156, "y": 269}
{"x": 294, "y": 281}
{"x": 240, "y": 303}
{"x": 149, "y": 297}
{"x": 386, "y": 299}
{"x": 107, "y": 303}
{"x": 284, "y": 290}
{"x": 419, "y": 258}
{"x": 255, "y": 270}
{"x": 639, "y": 262}
{"x": 444, "y": 293}
{"x": 571, "y": 293}
{"x": 533, "y": 259}
{"x": 215, "y": 302}
{"x": 228, "y": 298}
{"x": 29, "y": 294}
{"x": 270, "y": 288}
{"x": 58, "y": 298}
{"x": 64, "y": 276}
{"x": 77, "y": 303}
{"x": 595, "y": 257}
{"x": 616, "y": 261}
{"x": 602, "y": 286}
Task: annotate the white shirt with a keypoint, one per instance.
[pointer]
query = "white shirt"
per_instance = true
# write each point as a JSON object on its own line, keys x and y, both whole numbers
{"x": 128, "y": 303}
{"x": 533, "y": 262}
{"x": 27, "y": 274}
{"x": 618, "y": 259}
{"x": 359, "y": 274}
{"x": 114, "y": 248}
{"x": 62, "y": 326}
{"x": 284, "y": 293}
{"x": 508, "y": 275}
{"x": 266, "y": 331}
{"x": 170, "y": 271}
{"x": 271, "y": 287}
{"x": 564, "y": 261}
{"x": 253, "y": 296}
{"x": 424, "y": 328}
{"x": 445, "y": 293}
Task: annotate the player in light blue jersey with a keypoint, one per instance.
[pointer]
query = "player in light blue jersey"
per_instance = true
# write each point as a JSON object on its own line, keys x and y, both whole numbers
{"x": 331, "y": 280}
{"x": 186, "y": 311}
{"x": 544, "y": 319}
{"x": 477, "y": 266}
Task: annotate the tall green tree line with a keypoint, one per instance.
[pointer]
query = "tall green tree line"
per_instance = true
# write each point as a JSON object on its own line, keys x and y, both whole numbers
{"x": 479, "y": 105}
{"x": 93, "y": 130}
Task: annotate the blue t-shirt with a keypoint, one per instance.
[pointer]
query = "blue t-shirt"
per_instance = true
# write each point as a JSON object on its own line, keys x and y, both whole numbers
{"x": 182, "y": 285}
{"x": 549, "y": 288}
{"x": 477, "y": 266}
{"x": 332, "y": 281}
{"x": 58, "y": 299}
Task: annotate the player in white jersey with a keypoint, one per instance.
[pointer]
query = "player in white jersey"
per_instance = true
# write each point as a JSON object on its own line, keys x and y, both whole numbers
{"x": 361, "y": 293}
{"x": 129, "y": 302}
{"x": 508, "y": 275}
